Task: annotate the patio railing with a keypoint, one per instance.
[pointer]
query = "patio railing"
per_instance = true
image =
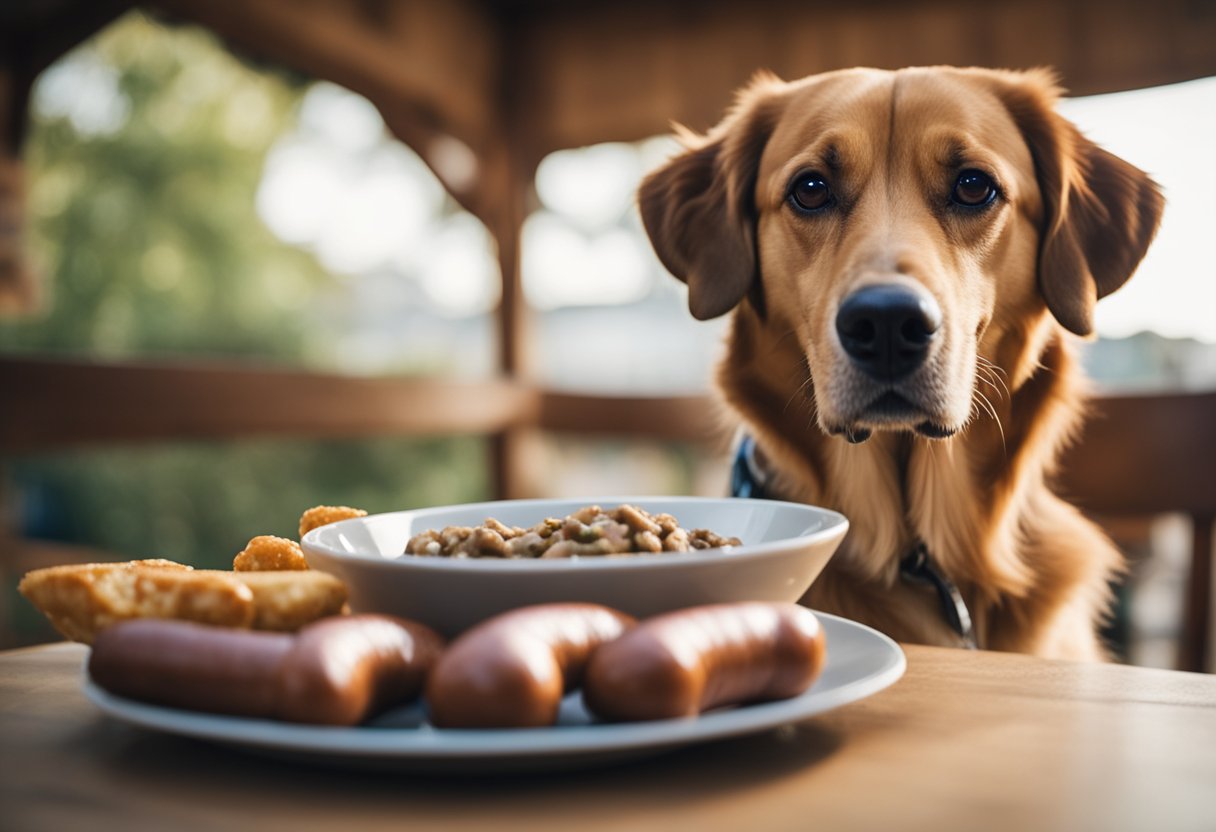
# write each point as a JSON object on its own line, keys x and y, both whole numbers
{"x": 1141, "y": 455}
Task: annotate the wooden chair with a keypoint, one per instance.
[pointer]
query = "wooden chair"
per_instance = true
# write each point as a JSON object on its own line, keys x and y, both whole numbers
{"x": 1145, "y": 455}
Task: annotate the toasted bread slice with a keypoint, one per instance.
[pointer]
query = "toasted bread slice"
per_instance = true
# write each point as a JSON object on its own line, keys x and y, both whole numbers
{"x": 82, "y": 599}
{"x": 287, "y": 600}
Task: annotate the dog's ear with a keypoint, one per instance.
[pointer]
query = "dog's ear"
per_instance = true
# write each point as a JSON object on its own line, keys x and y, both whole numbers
{"x": 1099, "y": 212}
{"x": 699, "y": 208}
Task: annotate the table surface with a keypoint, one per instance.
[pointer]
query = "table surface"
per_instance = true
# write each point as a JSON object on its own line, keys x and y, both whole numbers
{"x": 966, "y": 740}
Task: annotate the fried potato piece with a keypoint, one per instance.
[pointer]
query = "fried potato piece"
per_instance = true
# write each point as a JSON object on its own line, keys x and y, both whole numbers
{"x": 287, "y": 600}
{"x": 81, "y": 600}
{"x": 267, "y": 553}
{"x": 318, "y": 516}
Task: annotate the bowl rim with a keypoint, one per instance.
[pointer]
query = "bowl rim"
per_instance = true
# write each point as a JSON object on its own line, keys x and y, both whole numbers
{"x": 836, "y": 527}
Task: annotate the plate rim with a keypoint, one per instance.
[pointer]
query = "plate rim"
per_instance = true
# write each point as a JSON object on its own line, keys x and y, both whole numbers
{"x": 484, "y": 744}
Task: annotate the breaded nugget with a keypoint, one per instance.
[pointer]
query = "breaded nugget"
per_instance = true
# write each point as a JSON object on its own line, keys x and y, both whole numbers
{"x": 318, "y": 516}
{"x": 81, "y": 600}
{"x": 287, "y": 600}
{"x": 267, "y": 553}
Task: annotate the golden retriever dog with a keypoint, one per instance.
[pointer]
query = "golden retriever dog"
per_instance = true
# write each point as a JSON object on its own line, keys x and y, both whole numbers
{"x": 907, "y": 257}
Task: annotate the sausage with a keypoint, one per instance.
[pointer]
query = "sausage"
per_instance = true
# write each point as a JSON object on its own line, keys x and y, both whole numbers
{"x": 345, "y": 668}
{"x": 683, "y": 663}
{"x": 337, "y": 671}
{"x": 511, "y": 671}
{"x": 187, "y": 665}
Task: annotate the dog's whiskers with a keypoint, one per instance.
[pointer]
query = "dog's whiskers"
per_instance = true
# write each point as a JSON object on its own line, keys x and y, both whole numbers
{"x": 801, "y": 387}
{"x": 983, "y": 376}
{"x": 788, "y": 333}
{"x": 993, "y": 374}
{"x": 988, "y": 406}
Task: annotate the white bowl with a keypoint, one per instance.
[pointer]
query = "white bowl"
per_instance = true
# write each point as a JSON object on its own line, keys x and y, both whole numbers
{"x": 785, "y": 546}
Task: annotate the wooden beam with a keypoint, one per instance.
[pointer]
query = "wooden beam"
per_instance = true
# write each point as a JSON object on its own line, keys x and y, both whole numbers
{"x": 58, "y": 403}
{"x": 695, "y": 418}
{"x": 1145, "y": 455}
{"x": 623, "y": 71}
{"x": 33, "y": 33}
{"x": 53, "y": 403}
{"x": 1138, "y": 455}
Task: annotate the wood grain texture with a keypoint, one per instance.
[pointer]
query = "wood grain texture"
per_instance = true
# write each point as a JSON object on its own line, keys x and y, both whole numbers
{"x": 1138, "y": 455}
{"x": 580, "y": 73}
{"x": 1145, "y": 454}
{"x": 687, "y": 418}
{"x": 57, "y": 403}
{"x": 965, "y": 741}
{"x": 622, "y": 71}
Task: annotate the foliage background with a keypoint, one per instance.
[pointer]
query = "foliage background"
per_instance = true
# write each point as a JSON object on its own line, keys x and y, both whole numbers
{"x": 146, "y": 231}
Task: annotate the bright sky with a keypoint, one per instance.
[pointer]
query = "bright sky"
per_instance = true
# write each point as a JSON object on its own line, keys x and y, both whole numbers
{"x": 1170, "y": 132}
{"x": 366, "y": 204}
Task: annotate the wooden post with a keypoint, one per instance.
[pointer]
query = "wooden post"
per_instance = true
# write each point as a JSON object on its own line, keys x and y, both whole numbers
{"x": 1197, "y": 612}
{"x": 514, "y": 173}
{"x": 31, "y": 37}
{"x": 16, "y": 280}
{"x": 507, "y": 447}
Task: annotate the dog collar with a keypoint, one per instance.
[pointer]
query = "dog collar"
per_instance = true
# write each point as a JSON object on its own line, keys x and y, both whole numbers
{"x": 748, "y": 479}
{"x": 918, "y": 567}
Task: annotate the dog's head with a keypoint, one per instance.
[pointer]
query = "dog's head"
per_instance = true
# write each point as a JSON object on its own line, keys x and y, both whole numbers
{"x": 895, "y": 223}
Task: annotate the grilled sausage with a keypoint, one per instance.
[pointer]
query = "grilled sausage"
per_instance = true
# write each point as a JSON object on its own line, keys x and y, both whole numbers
{"x": 685, "y": 662}
{"x": 343, "y": 669}
{"x": 337, "y": 671}
{"x": 511, "y": 671}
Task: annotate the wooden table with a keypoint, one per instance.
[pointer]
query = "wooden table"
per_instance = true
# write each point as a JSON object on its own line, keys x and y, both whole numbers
{"x": 967, "y": 741}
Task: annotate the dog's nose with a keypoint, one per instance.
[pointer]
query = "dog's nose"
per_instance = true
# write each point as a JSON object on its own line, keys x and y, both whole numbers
{"x": 887, "y": 329}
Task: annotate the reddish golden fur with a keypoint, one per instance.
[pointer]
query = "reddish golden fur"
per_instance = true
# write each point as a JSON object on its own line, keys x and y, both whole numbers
{"x": 1072, "y": 225}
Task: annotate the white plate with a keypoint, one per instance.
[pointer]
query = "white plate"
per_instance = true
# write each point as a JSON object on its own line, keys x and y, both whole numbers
{"x": 861, "y": 662}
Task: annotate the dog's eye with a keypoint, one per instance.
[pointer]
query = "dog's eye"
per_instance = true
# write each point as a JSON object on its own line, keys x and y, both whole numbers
{"x": 973, "y": 189}
{"x": 810, "y": 192}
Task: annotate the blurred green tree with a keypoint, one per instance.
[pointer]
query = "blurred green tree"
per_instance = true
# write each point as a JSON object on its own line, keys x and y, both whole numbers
{"x": 144, "y": 225}
{"x": 142, "y": 202}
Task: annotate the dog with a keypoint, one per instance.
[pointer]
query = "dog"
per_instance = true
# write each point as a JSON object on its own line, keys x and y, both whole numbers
{"x": 908, "y": 257}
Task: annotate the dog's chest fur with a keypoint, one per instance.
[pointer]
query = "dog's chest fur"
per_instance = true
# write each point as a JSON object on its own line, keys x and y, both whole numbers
{"x": 1031, "y": 569}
